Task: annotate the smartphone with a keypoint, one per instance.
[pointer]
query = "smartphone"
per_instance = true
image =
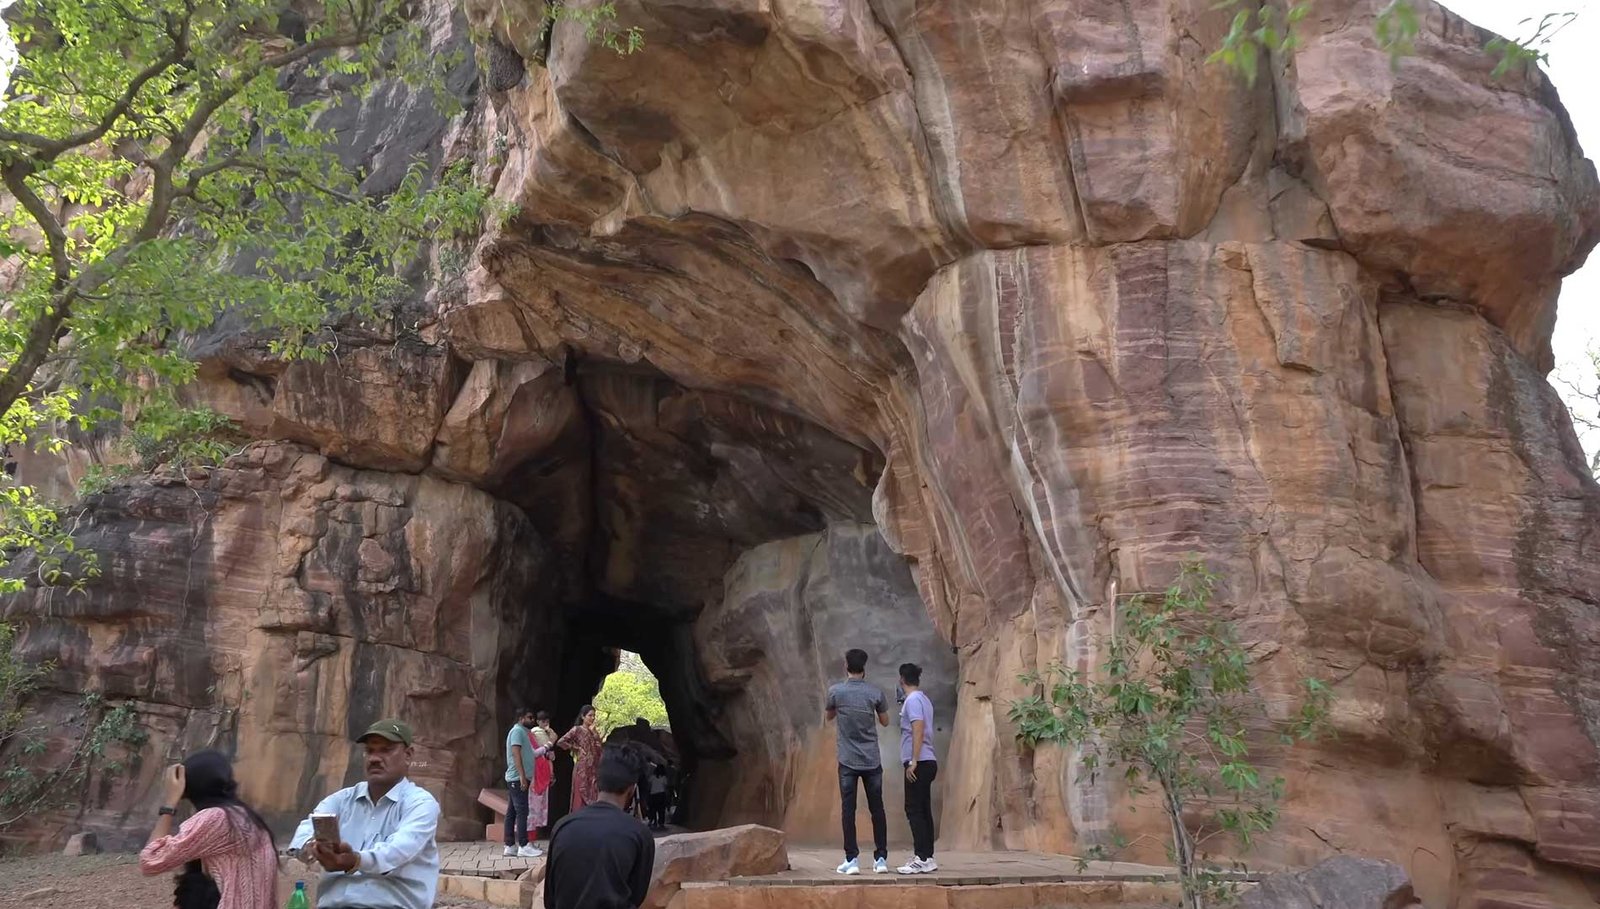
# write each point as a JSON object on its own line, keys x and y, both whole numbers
{"x": 325, "y": 828}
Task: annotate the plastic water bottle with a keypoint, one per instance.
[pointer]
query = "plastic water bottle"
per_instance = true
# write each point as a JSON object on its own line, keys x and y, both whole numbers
{"x": 297, "y": 899}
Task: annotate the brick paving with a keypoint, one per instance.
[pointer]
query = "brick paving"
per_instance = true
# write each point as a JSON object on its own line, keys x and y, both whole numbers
{"x": 483, "y": 860}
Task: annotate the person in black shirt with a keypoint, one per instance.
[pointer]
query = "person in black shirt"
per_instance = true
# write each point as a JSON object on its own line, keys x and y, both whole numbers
{"x": 600, "y": 857}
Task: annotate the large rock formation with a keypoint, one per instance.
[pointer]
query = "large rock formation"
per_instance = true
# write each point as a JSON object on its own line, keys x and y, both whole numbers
{"x": 1026, "y": 286}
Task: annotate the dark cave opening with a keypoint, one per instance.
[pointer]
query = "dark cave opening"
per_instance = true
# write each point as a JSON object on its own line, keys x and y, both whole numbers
{"x": 594, "y": 634}
{"x": 645, "y": 495}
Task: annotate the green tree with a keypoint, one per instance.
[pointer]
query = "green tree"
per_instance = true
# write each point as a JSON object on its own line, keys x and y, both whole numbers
{"x": 627, "y": 694}
{"x": 1172, "y": 710}
{"x": 162, "y": 163}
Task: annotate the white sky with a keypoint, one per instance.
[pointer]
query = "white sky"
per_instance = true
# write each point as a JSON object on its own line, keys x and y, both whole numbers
{"x": 1574, "y": 64}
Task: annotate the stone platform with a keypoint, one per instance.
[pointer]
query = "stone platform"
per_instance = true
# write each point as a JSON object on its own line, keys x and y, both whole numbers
{"x": 965, "y": 880}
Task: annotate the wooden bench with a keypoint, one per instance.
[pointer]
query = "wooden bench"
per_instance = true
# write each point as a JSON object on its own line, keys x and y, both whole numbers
{"x": 498, "y": 801}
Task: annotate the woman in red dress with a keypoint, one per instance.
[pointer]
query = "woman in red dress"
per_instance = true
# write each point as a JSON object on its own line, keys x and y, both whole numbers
{"x": 584, "y": 743}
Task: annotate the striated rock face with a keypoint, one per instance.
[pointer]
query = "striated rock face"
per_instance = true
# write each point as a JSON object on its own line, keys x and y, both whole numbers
{"x": 280, "y": 603}
{"x": 932, "y": 327}
{"x": 790, "y": 610}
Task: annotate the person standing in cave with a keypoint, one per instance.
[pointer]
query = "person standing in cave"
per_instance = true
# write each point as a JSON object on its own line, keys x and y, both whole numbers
{"x": 918, "y": 761}
{"x": 522, "y": 757}
{"x": 544, "y": 775}
{"x": 583, "y": 740}
{"x": 852, "y": 706}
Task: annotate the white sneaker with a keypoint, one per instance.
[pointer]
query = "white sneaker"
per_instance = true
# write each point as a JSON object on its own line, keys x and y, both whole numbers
{"x": 880, "y": 866}
{"x": 851, "y": 866}
{"x": 929, "y": 866}
{"x": 510, "y": 850}
{"x": 529, "y": 851}
{"x": 918, "y": 866}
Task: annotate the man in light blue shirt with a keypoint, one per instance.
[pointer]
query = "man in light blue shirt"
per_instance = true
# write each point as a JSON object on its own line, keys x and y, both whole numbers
{"x": 520, "y": 756}
{"x": 387, "y": 858}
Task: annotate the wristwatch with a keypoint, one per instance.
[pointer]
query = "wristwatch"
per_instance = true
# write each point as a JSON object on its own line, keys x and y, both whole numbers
{"x": 166, "y": 809}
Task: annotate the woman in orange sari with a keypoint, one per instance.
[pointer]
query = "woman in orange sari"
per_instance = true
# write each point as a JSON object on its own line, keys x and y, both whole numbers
{"x": 583, "y": 740}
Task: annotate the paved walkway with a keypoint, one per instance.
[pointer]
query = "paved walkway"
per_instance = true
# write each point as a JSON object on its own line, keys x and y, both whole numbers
{"x": 814, "y": 867}
{"x": 482, "y": 860}
{"x": 810, "y": 867}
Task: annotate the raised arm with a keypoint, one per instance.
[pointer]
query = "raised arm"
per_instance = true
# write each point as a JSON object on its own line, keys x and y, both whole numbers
{"x": 570, "y": 740}
{"x": 833, "y": 707}
{"x": 206, "y": 834}
{"x": 302, "y": 833}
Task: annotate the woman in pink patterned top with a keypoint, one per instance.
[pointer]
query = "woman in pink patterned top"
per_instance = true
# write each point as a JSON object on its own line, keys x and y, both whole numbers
{"x": 229, "y": 857}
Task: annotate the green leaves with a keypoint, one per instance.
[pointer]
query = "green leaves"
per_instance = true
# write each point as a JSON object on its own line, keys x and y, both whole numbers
{"x": 1257, "y": 30}
{"x": 627, "y": 694}
{"x": 599, "y": 25}
{"x": 1174, "y": 707}
{"x": 172, "y": 162}
{"x": 1396, "y": 28}
{"x": 1513, "y": 53}
{"x": 1262, "y": 28}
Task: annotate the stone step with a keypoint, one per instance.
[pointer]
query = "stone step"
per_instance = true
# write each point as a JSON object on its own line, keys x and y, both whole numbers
{"x": 906, "y": 893}
{"x": 494, "y": 891}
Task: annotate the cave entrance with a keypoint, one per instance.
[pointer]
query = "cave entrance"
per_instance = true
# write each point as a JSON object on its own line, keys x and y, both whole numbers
{"x": 732, "y": 547}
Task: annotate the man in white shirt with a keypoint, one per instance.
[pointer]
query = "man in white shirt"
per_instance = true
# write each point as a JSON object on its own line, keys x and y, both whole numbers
{"x": 387, "y": 858}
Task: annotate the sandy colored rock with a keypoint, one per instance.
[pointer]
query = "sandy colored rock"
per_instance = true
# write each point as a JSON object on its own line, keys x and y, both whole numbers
{"x": 1344, "y": 882}
{"x": 715, "y": 855}
{"x": 942, "y": 326}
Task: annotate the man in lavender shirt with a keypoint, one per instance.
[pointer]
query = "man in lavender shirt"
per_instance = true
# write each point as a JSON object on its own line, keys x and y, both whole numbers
{"x": 917, "y": 758}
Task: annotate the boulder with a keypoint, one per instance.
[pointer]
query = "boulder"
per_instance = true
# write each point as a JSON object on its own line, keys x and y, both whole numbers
{"x": 714, "y": 855}
{"x": 81, "y": 844}
{"x": 1342, "y": 882}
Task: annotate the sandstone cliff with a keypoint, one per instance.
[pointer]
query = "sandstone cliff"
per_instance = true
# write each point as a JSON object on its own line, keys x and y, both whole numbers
{"x": 1023, "y": 284}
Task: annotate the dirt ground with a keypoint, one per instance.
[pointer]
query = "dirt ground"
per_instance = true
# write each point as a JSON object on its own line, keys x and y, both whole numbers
{"x": 111, "y": 882}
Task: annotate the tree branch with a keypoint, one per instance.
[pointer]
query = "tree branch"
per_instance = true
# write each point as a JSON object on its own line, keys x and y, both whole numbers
{"x": 47, "y": 326}
{"x": 47, "y": 149}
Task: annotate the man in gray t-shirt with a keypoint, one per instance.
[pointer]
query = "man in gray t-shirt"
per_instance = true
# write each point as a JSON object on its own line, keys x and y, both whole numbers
{"x": 853, "y": 705}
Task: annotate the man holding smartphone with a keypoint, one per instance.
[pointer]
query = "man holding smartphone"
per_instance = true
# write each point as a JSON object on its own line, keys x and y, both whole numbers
{"x": 386, "y": 857}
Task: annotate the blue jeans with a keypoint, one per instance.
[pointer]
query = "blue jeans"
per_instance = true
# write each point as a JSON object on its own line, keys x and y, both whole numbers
{"x": 872, "y": 781}
{"x": 516, "y": 814}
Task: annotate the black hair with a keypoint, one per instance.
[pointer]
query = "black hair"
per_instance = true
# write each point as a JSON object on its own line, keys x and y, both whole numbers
{"x": 911, "y": 673}
{"x": 208, "y": 783}
{"x": 661, "y": 770}
{"x": 542, "y": 716}
{"x": 620, "y": 767}
{"x": 641, "y": 721}
{"x": 583, "y": 711}
{"x": 526, "y": 711}
{"x": 855, "y": 661}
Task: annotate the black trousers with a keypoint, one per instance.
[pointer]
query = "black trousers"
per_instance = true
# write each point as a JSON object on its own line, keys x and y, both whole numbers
{"x": 516, "y": 814}
{"x": 872, "y": 782}
{"x": 658, "y": 808}
{"x": 919, "y": 808}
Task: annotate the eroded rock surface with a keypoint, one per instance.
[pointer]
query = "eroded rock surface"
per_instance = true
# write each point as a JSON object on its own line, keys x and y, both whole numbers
{"x": 821, "y": 316}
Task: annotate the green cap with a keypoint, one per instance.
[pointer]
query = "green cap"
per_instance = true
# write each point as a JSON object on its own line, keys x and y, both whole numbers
{"x": 393, "y": 730}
